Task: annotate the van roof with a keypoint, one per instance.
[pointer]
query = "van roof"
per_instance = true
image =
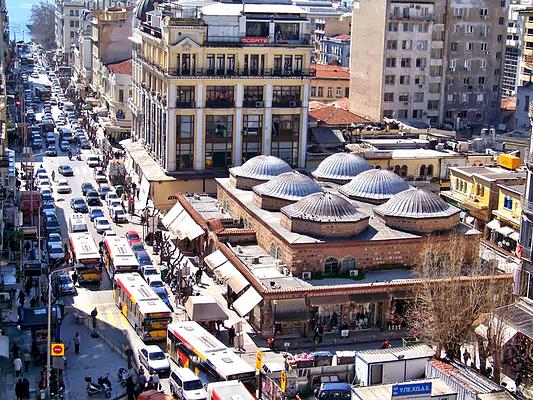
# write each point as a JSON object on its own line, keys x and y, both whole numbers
{"x": 185, "y": 373}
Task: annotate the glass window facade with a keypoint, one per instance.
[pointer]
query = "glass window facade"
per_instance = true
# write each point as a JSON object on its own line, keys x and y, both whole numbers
{"x": 184, "y": 141}
{"x": 218, "y": 141}
{"x": 252, "y": 136}
{"x": 285, "y": 137}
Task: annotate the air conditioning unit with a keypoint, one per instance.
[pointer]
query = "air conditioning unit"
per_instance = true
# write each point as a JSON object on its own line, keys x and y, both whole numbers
{"x": 354, "y": 273}
{"x": 255, "y": 260}
{"x": 306, "y": 276}
{"x": 292, "y": 104}
{"x": 236, "y": 221}
{"x": 259, "y": 104}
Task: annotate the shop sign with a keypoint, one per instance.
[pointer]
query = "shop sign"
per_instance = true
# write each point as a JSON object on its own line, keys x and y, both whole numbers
{"x": 412, "y": 391}
{"x": 254, "y": 39}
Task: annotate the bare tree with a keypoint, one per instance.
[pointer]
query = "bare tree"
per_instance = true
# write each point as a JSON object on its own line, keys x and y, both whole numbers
{"x": 42, "y": 24}
{"x": 455, "y": 291}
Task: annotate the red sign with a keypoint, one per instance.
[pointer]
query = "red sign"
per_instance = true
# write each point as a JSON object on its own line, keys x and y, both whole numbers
{"x": 58, "y": 349}
{"x": 254, "y": 39}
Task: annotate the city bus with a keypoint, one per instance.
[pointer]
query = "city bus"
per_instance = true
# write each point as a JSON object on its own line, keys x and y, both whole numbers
{"x": 189, "y": 343}
{"x": 86, "y": 257}
{"x": 141, "y": 306}
{"x": 118, "y": 256}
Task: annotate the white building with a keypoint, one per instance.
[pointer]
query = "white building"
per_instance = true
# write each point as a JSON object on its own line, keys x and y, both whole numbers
{"x": 67, "y": 24}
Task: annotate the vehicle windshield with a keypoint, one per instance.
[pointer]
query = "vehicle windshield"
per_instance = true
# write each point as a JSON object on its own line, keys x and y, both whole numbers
{"x": 132, "y": 236}
{"x": 150, "y": 271}
{"x": 156, "y": 284}
{"x": 102, "y": 222}
{"x": 157, "y": 356}
{"x": 64, "y": 279}
{"x": 56, "y": 250}
{"x": 137, "y": 246}
{"x": 79, "y": 201}
{"x": 97, "y": 213}
{"x": 193, "y": 385}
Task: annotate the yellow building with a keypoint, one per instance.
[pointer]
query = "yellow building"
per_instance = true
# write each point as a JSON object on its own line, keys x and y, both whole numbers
{"x": 476, "y": 191}
{"x": 505, "y": 225}
{"x": 214, "y": 86}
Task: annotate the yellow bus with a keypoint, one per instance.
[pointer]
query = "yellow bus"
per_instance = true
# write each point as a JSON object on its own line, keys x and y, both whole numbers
{"x": 141, "y": 306}
{"x": 118, "y": 256}
{"x": 86, "y": 258}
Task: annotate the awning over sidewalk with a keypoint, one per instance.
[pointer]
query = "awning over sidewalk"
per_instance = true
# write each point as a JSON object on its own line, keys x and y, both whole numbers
{"x": 204, "y": 308}
{"x": 505, "y": 230}
{"x": 515, "y": 236}
{"x": 247, "y": 302}
{"x": 215, "y": 260}
{"x": 518, "y": 316}
{"x": 231, "y": 276}
{"x": 328, "y": 300}
{"x": 180, "y": 224}
{"x": 291, "y": 310}
{"x": 493, "y": 225}
{"x": 369, "y": 298}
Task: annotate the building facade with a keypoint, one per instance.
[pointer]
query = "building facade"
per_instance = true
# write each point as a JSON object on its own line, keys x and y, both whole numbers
{"x": 67, "y": 24}
{"x": 211, "y": 92}
{"x": 329, "y": 82}
{"x": 525, "y": 68}
{"x": 335, "y": 50}
{"x": 435, "y": 61}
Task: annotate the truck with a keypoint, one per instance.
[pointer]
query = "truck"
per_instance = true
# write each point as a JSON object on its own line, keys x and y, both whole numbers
{"x": 228, "y": 390}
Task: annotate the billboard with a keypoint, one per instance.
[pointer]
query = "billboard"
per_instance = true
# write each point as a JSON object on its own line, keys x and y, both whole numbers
{"x": 412, "y": 391}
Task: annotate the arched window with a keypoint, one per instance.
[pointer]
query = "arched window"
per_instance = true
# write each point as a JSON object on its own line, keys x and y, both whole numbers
{"x": 430, "y": 170}
{"x": 422, "y": 170}
{"x": 278, "y": 253}
{"x": 397, "y": 169}
{"x": 331, "y": 266}
{"x": 348, "y": 263}
{"x": 273, "y": 250}
{"x": 403, "y": 171}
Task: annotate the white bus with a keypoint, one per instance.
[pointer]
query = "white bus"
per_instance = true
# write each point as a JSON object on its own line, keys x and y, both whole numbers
{"x": 118, "y": 256}
{"x": 86, "y": 257}
{"x": 141, "y": 306}
{"x": 188, "y": 343}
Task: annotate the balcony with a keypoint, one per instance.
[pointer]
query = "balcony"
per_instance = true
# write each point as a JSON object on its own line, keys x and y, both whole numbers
{"x": 254, "y": 103}
{"x": 219, "y": 103}
{"x": 185, "y": 104}
{"x": 403, "y": 17}
{"x": 527, "y": 208}
{"x": 212, "y": 73}
{"x": 150, "y": 30}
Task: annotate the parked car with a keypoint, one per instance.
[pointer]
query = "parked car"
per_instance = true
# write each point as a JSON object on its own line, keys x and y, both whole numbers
{"x": 154, "y": 360}
{"x": 155, "y": 281}
{"x": 143, "y": 258}
{"x": 148, "y": 270}
{"x": 78, "y": 204}
{"x": 185, "y": 385}
{"x": 66, "y": 286}
{"x": 104, "y": 189}
{"x": 54, "y": 238}
{"x": 93, "y": 161}
{"x": 65, "y": 170}
{"x": 55, "y": 252}
{"x": 51, "y": 224}
{"x": 163, "y": 295}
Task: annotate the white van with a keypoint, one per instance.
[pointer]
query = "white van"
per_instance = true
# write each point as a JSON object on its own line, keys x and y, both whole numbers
{"x": 69, "y": 106}
{"x": 185, "y": 385}
{"x": 76, "y": 223}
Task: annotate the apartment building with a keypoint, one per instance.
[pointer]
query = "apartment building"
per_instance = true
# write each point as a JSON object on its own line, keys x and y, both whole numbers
{"x": 430, "y": 61}
{"x": 67, "y": 24}
{"x": 335, "y": 50}
{"x": 214, "y": 86}
{"x": 525, "y": 69}
{"x": 327, "y": 27}
{"x": 329, "y": 82}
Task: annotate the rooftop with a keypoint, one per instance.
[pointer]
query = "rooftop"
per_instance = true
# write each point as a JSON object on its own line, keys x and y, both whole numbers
{"x": 226, "y": 9}
{"x": 343, "y": 37}
{"x": 121, "y": 67}
{"x": 493, "y": 174}
{"x": 519, "y": 189}
{"x": 207, "y": 207}
{"x": 422, "y": 153}
{"x": 333, "y": 115}
{"x": 324, "y": 71}
{"x": 380, "y": 392}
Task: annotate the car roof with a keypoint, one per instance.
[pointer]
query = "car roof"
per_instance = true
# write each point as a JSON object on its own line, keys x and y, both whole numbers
{"x": 152, "y": 348}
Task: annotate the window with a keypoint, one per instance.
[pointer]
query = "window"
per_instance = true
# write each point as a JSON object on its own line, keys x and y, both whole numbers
{"x": 430, "y": 170}
{"x": 186, "y": 63}
{"x": 483, "y": 12}
{"x": 330, "y": 92}
{"x": 185, "y": 96}
{"x": 72, "y": 24}
{"x": 219, "y": 96}
{"x": 320, "y": 91}
{"x": 423, "y": 170}
{"x": 402, "y": 113}
{"x": 221, "y": 64}
{"x": 349, "y": 263}
{"x": 252, "y": 131}
{"x": 392, "y": 44}
{"x": 278, "y": 62}
{"x": 388, "y": 97}
{"x": 433, "y": 104}
{"x": 405, "y": 79}
{"x": 408, "y": 27}
{"x": 184, "y": 141}
{"x": 405, "y": 63}
{"x": 285, "y": 137}
{"x": 390, "y": 62}
{"x": 450, "y": 98}
{"x": 403, "y": 97}
{"x": 421, "y": 63}
{"x": 287, "y": 96}
{"x": 455, "y": 29}
{"x": 481, "y": 80}
{"x": 485, "y": 29}
{"x": 338, "y": 92}
{"x": 469, "y": 29}
{"x": 420, "y": 80}
{"x": 418, "y": 97}
{"x": 388, "y": 114}
{"x": 423, "y": 28}
{"x": 480, "y": 97}
{"x": 210, "y": 63}
{"x": 417, "y": 114}
{"x": 253, "y": 96}
{"x": 218, "y": 141}
{"x": 453, "y": 46}
{"x": 434, "y": 87}
{"x": 393, "y": 27}
{"x": 72, "y": 34}
{"x": 469, "y": 46}
{"x": 257, "y": 29}
{"x": 331, "y": 266}
{"x": 482, "y": 64}
{"x": 484, "y": 46}
{"x": 407, "y": 44}
{"x": 313, "y": 91}
{"x": 121, "y": 96}
{"x": 501, "y": 20}
{"x": 422, "y": 45}
{"x": 466, "y": 80}
{"x": 286, "y": 31}
{"x": 389, "y": 79}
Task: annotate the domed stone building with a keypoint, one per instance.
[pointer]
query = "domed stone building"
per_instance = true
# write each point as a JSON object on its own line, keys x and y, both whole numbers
{"x": 340, "y": 168}
{"x": 283, "y": 190}
{"x": 257, "y": 170}
{"x": 374, "y": 186}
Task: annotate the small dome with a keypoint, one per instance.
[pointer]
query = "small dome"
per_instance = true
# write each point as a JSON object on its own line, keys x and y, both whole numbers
{"x": 261, "y": 168}
{"x": 289, "y": 186}
{"x": 416, "y": 203}
{"x": 323, "y": 207}
{"x": 341, "y": 167}
{"x": 375, "y": 185}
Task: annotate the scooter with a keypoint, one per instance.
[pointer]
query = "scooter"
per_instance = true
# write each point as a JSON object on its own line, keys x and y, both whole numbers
{"x": 103, "y": 386}
{"x": 123, "y": 375}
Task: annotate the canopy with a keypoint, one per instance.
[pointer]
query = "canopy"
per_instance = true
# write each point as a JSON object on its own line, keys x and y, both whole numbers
{"x": 291, "y": 310}
{"x": 515, "y": 236}
{"x": 505, "y": 230}
{"x": 494, "y": 224}
{"x": 204, "y": 308}
{"x": 180, "y": 224}
{"x": 215, "y": 260}
{"x": 247, "y": 302}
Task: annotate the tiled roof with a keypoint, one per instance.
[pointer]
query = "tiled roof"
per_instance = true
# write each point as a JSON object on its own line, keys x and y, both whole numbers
{"x": 508, "y": 104}
{"x": 344, "y": 36}
{"x": 330, "y": 72}
{"x": 313, "y": 105}
{"x": 121, "y": 67}
{"x": 343, "y": 103}
{"x": 332, "y": 115}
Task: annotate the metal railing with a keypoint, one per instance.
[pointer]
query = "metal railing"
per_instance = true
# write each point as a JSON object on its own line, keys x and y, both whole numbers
{"x": 241, "y": 72}
{"x": 185, "y": 104}
{"x": 526, "y": 253}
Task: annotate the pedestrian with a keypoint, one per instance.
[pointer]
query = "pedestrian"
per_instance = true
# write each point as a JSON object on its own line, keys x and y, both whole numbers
{"x": 17, "y": 365}
{"x": 22, "y": 298}
{"x": 27, "y": 286}
{"x": 77, "y": 343}
{"x": 19, "y": 389}
{"x": 25, "y": 389}
{"x": 94, "y": 314}
{"x": 386, "y": 344}
{"x": 466, "y": 357}
{"x": 231, "y": 335}
{"x": 198, "y": 276}
{"x": 15, "y": 350}
{"x": 75, "y": 278}
{"x": 142, "y": 382}
{"x": 154, "y": 381}
{"x": 129, "y": 354}
{"x": 26, "y": 357}
{"x": 130, "y": 388}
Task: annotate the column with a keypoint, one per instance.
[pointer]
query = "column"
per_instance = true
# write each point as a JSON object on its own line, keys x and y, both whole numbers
{"x": 267, "y": 123}
{"x": 237, "y": 126}
{"x": 171, "y": 128}
{"x": 302, "y": 151}
{"x": 199, "y": 138}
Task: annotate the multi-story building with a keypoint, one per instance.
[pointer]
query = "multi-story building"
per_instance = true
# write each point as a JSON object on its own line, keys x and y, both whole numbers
{"x": 67, "y": 24}
{"x": 431, "y": 61}
{"x": 335, "y": 50}
{"x": 214, "y": 86}
{"x": 329, "y": 26}
{"x": 329, "y": 82}
{"x": 525, "y": 68}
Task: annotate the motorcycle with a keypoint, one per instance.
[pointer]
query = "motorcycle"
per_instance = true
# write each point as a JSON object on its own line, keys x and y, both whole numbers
{"x": 103, "y": 386}
{"x": 123, "y": 375}
{"x": 69, "y": 156}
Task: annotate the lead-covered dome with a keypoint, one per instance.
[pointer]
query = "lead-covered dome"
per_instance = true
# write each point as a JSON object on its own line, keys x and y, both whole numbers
{"x": 288, "y": 187}
{"x": 341, "y": 167}
{"x": 419, "y": 211}
{"x": 324, "y": 214}
{"x": 374, "y": 186}
{"x": 258, "y": 170}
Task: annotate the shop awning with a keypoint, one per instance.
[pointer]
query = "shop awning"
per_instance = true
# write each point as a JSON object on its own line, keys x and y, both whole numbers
{"x": 247, "y": 302}
{"x": 505, "y": 230}
{"x": 515, "y": 236}
{"x": 518, "y": 316}
{"x": 493, "y": 225}
{"x": 215, "y": 260}
{"x": 470, "y": 220}
{"x": 237, "y": 282}
{"x": 328, "y": 300}
{"x": 507, "y": 332}
{"x": 204, "y": 308}
{"x": 225, "y": 271}
{"x": 291, "y": 310}
{"x": 369, "y": 298}
{"x": 180, "y": 223}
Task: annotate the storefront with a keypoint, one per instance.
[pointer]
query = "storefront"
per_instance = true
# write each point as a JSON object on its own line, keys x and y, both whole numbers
{"x": 502, "y": 235}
